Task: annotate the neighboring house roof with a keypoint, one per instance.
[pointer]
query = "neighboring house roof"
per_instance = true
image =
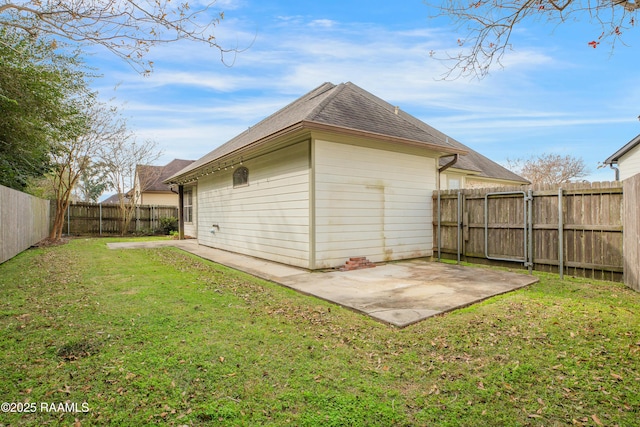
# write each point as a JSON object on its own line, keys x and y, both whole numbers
{"x": 473, "y": 161}
{"x": 481, "y": 166}
{"x": 114, "y": 198}
{"x": 153, "y": 176}
{"x": 348, "y": 108}
{"x": 615, "y": 157}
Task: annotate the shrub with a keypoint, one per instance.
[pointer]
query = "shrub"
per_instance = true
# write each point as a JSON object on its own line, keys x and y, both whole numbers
{"x": 168, "y": 224}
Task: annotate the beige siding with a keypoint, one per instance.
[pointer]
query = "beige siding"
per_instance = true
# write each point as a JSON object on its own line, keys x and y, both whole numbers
{"x": 629, "y": 164}
{"x": 371, "y": 202}
{"x": 473, "y": 182}
{"x": 269, "y": 218}
{"x": 162, "y": 199}
{"x": 448, "y": 181}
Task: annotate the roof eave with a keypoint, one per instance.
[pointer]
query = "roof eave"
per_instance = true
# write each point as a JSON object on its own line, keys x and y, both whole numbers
{"x": 615, "y": 157}
{"x": 311, "y": 125}
{"x": 192, "y": 173}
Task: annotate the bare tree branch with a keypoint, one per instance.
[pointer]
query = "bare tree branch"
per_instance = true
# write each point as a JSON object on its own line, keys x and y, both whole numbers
{"x": 488, "y": 25}
{"x": 98, "y": 124}
{"x": 549, "y": 169}
{"x": 120, "y": 156}
{"x": 127, "y": 28}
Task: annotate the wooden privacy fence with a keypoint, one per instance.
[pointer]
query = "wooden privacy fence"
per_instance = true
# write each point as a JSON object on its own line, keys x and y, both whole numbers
{"x": 631, "y": 188}
{"x": 104, "y": 219}
{"x": 24, "y": 221}
{"x": 574, "y": 229}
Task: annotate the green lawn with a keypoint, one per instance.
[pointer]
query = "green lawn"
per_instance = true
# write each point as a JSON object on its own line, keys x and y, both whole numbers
{"x": 144, "y": 337}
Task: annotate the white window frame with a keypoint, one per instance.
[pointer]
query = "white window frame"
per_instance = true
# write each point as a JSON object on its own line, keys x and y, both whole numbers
{"x": 187, "y": 208}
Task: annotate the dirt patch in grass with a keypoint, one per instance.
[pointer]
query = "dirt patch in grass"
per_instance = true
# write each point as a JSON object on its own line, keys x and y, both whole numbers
{"x": 76, "y": 350}
{"x": 48, "y": 242}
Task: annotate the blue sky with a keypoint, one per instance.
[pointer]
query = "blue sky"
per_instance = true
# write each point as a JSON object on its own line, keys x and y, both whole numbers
{"x": 554, "y": 94}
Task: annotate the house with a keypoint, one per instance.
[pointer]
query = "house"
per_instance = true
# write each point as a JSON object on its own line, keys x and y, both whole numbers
{"x": 149, "y": 188}
{"x": 337, "y": 173}
{"x": 114, "y": 198}
{"x": 474, "y": 170}
{"x": 626, "y": 159}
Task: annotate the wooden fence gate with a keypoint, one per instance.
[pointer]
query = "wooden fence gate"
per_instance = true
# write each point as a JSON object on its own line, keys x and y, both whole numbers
{"x": 576, "y": 229}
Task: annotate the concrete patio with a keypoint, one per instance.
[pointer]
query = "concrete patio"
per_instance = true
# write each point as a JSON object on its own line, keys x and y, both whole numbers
{"x": 399, "y": 293}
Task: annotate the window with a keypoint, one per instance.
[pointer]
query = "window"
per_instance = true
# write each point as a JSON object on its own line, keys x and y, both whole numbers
{"x": 187, "y": 211}
{"x": 453, "y": 183}
{"x": 241, "y": 177}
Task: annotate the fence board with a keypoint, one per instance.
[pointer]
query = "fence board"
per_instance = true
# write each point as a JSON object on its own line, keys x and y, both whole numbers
{"x": 632, "y": 232}
{"x": 24, "y": 221}
{"x": 104, "y": 219}
{"x": 592, "y": 231}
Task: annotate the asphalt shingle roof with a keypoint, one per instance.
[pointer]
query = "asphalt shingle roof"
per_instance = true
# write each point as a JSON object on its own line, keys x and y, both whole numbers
{"x": 154, "y": 176}
{"x": 349, "y": 107}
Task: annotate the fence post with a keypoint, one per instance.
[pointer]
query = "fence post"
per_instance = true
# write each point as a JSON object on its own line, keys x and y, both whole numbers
{"x": 459, "y": 220}
{"x": 68, "y": 219}
{"x": 100, "y": 218}
{"x": 631, "y": 252}
{"x": 439, "y": 237}
{"x": 560, "y": 235}
{"x": 530, "y": 231}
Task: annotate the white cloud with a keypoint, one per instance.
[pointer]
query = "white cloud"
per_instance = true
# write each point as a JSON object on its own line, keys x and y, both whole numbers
{"x": 192, "y": 103}
{"x": 324, "y": 23}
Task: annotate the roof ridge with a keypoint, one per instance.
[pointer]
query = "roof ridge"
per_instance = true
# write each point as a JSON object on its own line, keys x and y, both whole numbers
{"x": 320, "y": 107}
{"x": 287, "y": 107}
{"x": 405, "y": 116}
{"x": 315, "y": 95}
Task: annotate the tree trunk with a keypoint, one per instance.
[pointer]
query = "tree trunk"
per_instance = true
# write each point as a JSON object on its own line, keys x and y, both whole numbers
{"x": 126, "y": 216}
{"x": 58, "y": 221}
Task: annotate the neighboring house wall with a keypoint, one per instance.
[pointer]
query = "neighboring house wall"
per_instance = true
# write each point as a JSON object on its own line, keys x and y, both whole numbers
{"x": 269, "y": 217}
{"x": 371, "y": 202}
{"x": 473, "y": 182}
{"x": 629, "y": 164}
{"x": 451, "y": 181}
{"x": 164, "y": 199}
{"x": 455, "y": 181}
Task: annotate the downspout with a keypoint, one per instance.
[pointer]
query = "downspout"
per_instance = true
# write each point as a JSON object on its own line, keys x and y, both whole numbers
{"x": 440, "y": 170}
{"x": 617, "y": 171}
{"x": 448, "y": 165}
